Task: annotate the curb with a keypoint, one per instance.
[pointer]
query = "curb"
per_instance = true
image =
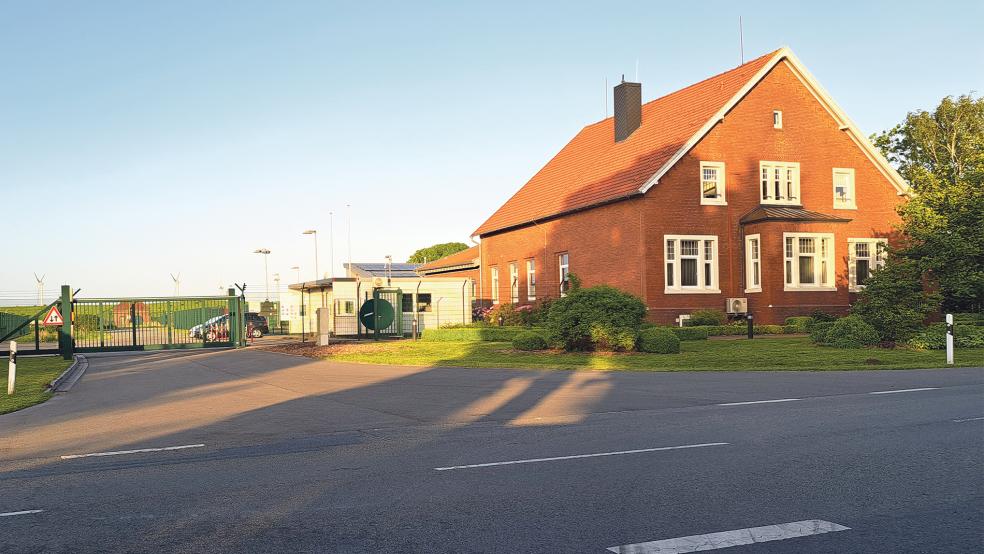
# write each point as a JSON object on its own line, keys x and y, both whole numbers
{"x": 68, "y": 378}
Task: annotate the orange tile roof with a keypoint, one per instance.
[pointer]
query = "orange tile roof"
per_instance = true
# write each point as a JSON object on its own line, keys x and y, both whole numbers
{"x": 465, "y": 257}
{"x": 594, "y": 169}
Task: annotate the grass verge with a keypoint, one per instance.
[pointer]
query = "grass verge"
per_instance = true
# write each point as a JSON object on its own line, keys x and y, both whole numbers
{"x": 33, "y": 375}
{"x": 761, "y": 354}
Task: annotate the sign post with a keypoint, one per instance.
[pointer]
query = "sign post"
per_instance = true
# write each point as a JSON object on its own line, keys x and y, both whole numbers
{"x": 949, "y": 339}
{"x": 12, "y": 368}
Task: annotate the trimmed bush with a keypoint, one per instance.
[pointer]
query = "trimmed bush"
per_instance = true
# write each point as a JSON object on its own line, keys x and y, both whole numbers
{"x": 658, "y": 340}
{"x": 602, "y": 312}
{"x": 820, "y": 316}
{"x": 706, "y": 317}
{"x": 894, "y": 301}
{"x": 529, "y": 340}
{"x": 689, "y": 333}
{"x": 819, "y": 330}
{"x": 801, "y": 323}
{"x": 934, "y": 337}
{"x": 851, "y": 332}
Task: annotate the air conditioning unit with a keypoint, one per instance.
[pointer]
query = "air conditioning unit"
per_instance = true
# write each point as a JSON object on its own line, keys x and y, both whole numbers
{"x": 378, "y": 282}
{"x": 736, "y": 305}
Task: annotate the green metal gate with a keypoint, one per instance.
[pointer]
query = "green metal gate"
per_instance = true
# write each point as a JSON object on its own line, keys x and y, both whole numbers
{"x": 117, "y": 324}
{"x": 381, "y": 315}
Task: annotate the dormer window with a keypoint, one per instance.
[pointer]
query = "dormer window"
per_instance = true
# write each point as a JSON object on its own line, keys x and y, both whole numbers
{"x": 777, "y": 119}
{"x": 780, "y": 183}
{"x": 712, "y": 183}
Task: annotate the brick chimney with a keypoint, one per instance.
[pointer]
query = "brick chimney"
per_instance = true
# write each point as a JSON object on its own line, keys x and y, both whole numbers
{"x": 628, "y": 109}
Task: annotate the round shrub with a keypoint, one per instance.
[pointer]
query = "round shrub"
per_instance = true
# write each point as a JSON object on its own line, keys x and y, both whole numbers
{"x": 607, "y": 337}
{"x": 851, "y": 332}
{"x": 589, "y": 314}
{"x": 529, "y": 340}
{"x": 706, "y": 317}
{"x": 658, "y": 340}
{"x": 819, "y": 330}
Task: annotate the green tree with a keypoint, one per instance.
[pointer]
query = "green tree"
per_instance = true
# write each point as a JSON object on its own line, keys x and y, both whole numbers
{"x": 941, "y": 155}
{"x": 894, "y": 300}
{"x": 436, "y": 252}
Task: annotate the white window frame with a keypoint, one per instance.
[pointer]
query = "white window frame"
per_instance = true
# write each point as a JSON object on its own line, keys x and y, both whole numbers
{"x": 563, "y": 270}
{"x": 531, "y": 279}
{"x": 701, "y": 257}
{"x": 785, "y": 183}
{"x": 720, "y": 199}
{"x": 514, "y": 283}
{"x": 777, "y": 119}
{"x": 823, "y": 257}
{"x": 495, "y": 284}
{"x": 850, "y": 203}
{"x": 876, "y": 253}
{"x": 753, "y": 263}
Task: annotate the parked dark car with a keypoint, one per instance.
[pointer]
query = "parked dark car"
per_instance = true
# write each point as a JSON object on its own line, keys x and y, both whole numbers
{"x": 257, "y": 325}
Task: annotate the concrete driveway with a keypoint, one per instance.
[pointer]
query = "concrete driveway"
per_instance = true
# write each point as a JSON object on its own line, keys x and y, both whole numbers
{"x": 254, "y": 451}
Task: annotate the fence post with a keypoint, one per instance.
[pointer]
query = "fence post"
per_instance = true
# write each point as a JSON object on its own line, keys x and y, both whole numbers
{"x": 65, "y": 331}
{"x": 133, "y": 321}
{"x": 949, "y": 339}
{"x": 12, "y": 368}
{"x": 235, "y": 329}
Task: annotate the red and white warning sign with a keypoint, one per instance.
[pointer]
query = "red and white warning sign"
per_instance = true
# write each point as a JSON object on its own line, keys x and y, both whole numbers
{"x": 53, "y": 318}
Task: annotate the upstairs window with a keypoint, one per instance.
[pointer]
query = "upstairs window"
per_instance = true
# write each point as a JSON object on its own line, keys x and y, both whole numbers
{"x": 513, "y": 283}
{"x": 844, "y": 189}
{"x": 691, "y": 264}
{"x": 864, "y": 256}
{"x": 777, "y": 119}
{"x": 809, "y": 261}
{"x": 780, "y": 182}
{"x": 563, "y": 264}
{"x": 495, "y": 285}
{"x": 530, "y": 280}
{"x": 712, "y": 183}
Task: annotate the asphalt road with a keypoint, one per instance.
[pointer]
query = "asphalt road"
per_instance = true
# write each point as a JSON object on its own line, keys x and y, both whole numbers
{"x": 284, "y": 454}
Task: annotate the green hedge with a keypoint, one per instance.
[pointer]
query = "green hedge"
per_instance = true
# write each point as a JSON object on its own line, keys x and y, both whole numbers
{"x": 969, "y": 319}
{"x": 736, "y": 330}
{"x": 492, "y": 334}
{"x": 658, "y": 340}
{"x": 801, "y": 323}
{"x": 934, "y": 337}
{"x": 529, "y": 340}
{"x": 689, "y": 333}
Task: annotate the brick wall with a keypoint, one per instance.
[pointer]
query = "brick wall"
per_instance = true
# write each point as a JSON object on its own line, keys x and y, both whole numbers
{"x": 621, "y": 244}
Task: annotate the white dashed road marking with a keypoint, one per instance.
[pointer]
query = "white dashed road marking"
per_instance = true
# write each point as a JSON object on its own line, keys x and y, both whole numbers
{"x": 20, "y": 513}
{"x": 968, "y": 419}
{"x": 727, "y": 539}
{"x": 759, "y": 402}
{"x": 903, "y": 390}
{"x": 578, "y": 456}
{"x": 138, "y": 451}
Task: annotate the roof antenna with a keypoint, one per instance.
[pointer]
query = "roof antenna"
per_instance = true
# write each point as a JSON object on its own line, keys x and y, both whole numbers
{"x": 741, "y": 43}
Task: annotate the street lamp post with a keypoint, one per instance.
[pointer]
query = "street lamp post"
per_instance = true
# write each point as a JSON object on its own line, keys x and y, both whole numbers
{"x": 266, "y": 274}
{"x": 297, "y": 268}
{"x": 315, "y": 233}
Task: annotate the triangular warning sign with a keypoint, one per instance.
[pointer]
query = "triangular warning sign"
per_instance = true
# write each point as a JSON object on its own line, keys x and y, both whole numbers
{"x": 54, "y": 317}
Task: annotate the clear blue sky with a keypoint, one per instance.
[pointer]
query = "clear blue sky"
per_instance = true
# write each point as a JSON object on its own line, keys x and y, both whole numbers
{"x": 142, "y": 138}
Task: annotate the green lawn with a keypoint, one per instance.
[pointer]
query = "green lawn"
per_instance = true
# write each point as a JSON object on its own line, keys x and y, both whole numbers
{"x": 33, "y": 375}
{"x": 786, "y": 353}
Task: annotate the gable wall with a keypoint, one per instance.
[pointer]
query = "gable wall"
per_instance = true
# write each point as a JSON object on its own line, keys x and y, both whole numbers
{"x": 809, "y": 136}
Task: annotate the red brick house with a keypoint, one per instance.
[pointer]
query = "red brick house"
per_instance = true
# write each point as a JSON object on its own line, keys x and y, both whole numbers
{"x": 750, "y": 188}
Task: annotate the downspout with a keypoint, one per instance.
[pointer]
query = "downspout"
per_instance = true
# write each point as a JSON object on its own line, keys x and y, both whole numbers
{"x": 463, "y": 303}
{"x": 416, "y": 295}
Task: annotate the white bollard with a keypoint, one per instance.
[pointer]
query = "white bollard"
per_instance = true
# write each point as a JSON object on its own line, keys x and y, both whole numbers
{"x": 12, "y": 368}
{"x": 949, "y": 339}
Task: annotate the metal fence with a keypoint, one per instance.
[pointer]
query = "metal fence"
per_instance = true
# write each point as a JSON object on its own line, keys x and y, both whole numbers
{"x": 108, "y": 324}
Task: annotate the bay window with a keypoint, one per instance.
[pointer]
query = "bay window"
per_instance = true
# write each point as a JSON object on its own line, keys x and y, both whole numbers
{"x": 691, "y": 264}
{"x": 864, "y": 256}
{"x": 780, "y": 182}
{"x": 753, "y": 263}
{"x": 809, "y": 261}
{"x": 712, "y": 183}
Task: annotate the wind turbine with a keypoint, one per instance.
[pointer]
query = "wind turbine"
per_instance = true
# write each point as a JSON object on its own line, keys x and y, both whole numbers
{"x": 177, "y": 283}
{"x": 40, "y": 281}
